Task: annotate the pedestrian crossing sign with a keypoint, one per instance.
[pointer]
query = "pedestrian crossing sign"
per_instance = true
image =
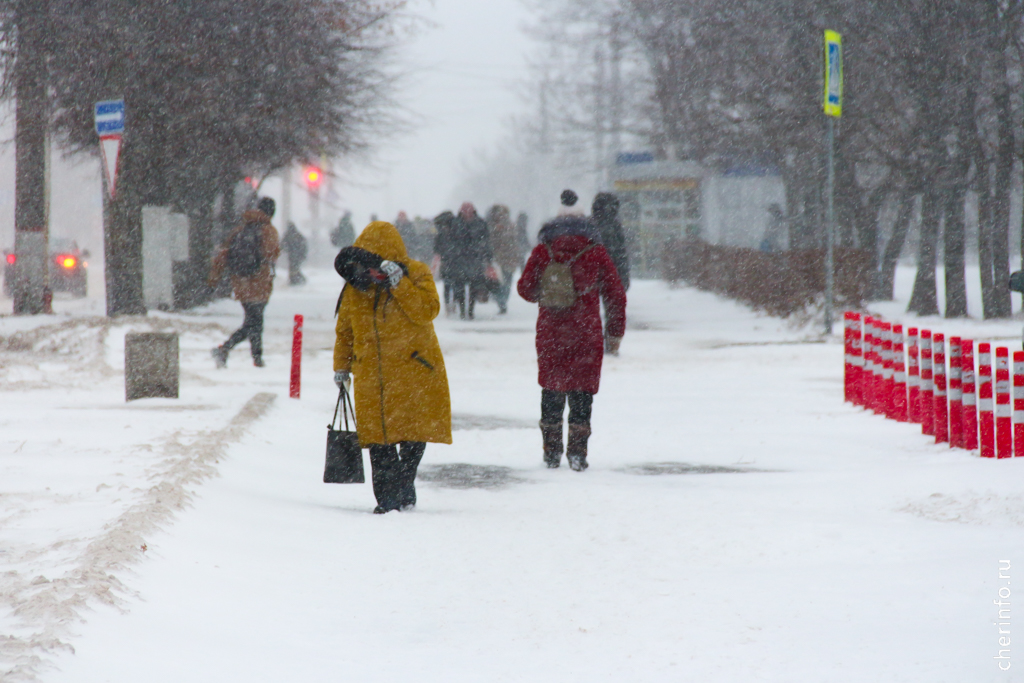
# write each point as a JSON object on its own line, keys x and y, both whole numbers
{"x": 833, "y": 74}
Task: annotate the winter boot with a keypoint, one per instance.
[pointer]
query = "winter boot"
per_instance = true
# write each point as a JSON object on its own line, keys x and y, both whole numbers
{"x": 576, "y": 450}
{"x": 220, "y": 356}
{"x": 552, "y": 433}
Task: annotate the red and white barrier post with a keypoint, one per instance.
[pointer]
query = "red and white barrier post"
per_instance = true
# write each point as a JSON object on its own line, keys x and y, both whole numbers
{"x": 858, "y": 362}
{"x": 986, "y": 417}
{"x": 850, "y": 366}
{"x": 1004, "y": 413}
{"x": 956, "y": 428}
{"x": 899, "y": 371}
{"x": 927, "y": 401}
{"x": 969, "y": 415}
{"x": 941, "y": 411}
{"x": 867, "y": 378}
{"x": 1018, "y": 404}
{"x": 296, "y": 380}
{"x": 913, "y": 377}
{"x": 888, "y": 371}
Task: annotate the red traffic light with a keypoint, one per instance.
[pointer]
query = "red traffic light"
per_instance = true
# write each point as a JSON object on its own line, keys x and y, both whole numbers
{"x": 314, "y": 177}
{"x": 11, "y": 258}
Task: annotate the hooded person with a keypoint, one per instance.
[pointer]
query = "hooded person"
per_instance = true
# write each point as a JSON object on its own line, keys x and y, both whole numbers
{"x": 471, "y": 253}
{"x": 248, "y": 253}
{"x": 385, "y": 340}
{"x": 569, "y": 273}
{"x": 604, "y": 213}
{"x": 507, "y": 249}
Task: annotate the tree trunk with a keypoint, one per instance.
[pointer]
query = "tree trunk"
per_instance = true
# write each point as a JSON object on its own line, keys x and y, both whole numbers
{"x": 953, "y": 244}
{"x": 893, "y": 249}
{"x": 865, "y": 214}
{"x": 123, "y": 236}
{"x": 924, "y": 300}
{"x": 986, "y": 209}
{"x": 1000, "y": 231}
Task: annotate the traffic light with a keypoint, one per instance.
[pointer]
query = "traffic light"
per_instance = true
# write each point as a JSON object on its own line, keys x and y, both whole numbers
{"x": 314, "y": 178}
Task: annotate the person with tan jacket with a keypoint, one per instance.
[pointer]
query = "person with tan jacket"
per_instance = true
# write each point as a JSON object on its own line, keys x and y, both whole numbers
{"x": 249, "y": 254}
{"x": 385, "y": 338}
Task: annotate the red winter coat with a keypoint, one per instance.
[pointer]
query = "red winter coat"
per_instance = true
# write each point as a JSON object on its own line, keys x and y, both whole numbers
{"x": 570, "y": 345}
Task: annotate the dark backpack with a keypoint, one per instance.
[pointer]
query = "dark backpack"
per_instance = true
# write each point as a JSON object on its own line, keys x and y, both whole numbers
{"x": 245, "y": 253}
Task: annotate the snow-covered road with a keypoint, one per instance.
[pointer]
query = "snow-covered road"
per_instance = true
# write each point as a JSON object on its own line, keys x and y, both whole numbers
{"x": 816, "y": 543}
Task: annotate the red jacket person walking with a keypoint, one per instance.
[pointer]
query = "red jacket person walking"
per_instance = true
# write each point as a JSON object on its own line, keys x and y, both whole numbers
{"x": 570, "y": 342}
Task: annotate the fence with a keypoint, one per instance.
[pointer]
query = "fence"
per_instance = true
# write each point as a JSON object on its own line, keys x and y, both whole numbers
{"x": 944, "y": 387}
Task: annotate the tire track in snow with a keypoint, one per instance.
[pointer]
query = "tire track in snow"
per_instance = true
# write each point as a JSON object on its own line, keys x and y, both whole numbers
{"x": 47, "y": 609}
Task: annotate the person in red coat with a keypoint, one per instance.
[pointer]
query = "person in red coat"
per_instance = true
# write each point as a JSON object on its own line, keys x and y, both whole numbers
{"x": 570, "y": 341}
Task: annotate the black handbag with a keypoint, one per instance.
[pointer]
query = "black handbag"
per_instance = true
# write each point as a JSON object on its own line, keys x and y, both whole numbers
{"x": 344, "y": 456}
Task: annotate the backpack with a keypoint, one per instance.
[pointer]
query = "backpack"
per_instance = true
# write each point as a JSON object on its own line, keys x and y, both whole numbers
{"x": 245, "y": 252}
{"x": 557, "y": 287}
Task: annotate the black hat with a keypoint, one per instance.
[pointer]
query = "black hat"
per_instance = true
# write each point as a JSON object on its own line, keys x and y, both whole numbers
{"x": 267, "y": 206}
{"x": 569, "y": 198}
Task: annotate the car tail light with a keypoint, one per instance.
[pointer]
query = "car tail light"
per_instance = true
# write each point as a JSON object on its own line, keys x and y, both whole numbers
{"x": 11, "y": 258}
{"x": 67, "y": 261}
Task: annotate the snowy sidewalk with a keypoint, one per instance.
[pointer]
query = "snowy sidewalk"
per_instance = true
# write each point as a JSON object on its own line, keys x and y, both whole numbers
{"x": 738, "y": 523}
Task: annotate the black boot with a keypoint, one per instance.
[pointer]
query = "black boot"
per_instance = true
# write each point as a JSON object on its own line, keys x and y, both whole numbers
{"x": 576, "y": 450}
{"x": 552, "y": 433}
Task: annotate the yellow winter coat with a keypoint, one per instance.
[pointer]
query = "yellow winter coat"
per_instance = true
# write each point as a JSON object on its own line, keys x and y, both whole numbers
{"x": 386, "y": 338}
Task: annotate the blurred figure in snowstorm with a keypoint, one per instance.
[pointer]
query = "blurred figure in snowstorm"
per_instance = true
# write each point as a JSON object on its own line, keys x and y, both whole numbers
{"x": 471, "y": 254}
{"x": 569, "y": 273}
{"x": 248, "y": 254}
{"x": 344, "y": 234}
{"x": 508, "y": 253}
{"x": 605, "y": 215}
{"x": 522, "y": 223}
{"x": 385, "y": 339}
{"x": 444, "y": 252}
{"x": 775, "y": 232}
{"x": 406, "y": 230}
{"x": 294, "y": 244}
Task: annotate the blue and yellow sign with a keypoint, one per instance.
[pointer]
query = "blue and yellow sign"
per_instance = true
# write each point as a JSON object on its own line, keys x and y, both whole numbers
{"x": 833, "y": 74}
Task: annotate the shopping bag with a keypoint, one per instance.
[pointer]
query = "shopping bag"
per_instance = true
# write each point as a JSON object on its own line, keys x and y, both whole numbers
{"x": 344, "y": 456}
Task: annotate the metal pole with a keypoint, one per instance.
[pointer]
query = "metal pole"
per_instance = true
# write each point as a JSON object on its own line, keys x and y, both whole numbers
{"x": 830, "y": 229}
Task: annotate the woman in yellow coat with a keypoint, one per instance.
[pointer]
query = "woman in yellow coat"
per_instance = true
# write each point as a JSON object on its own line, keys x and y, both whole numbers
{"x": 386, "y": 340}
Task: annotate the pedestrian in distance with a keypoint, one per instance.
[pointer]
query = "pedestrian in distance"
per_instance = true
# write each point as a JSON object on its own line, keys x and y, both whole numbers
{"x": 248, "y": 255}
{"x": 294, "y": 244}
{"x": 508, "y": 253}
{"x": 344, "y": 234}
{"x": 569, "y": 273}
{"x": 471, "y": 254}
{"x": 444, "y": 252}
{"x": 604, "y": 213}
{"x": 385, "y": 341}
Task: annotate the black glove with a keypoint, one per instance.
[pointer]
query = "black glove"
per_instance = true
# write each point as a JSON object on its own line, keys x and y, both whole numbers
{"x": 359, "y": 267}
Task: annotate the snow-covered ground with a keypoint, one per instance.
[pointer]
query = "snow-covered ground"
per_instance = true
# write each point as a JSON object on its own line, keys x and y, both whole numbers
{"x": 738, "y": 521}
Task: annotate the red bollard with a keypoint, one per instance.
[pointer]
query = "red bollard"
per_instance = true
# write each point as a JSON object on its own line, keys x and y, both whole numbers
{"x": 1018, "y": 404}
{"x": 913, "y": 377}
{"x": 899, "y": 396}
{"x": 296, "y": 382}
{"x": 867, "y": 377}
{"x": 986, "y": 419}
{"x": 888, "y": 372}
{"x": 969, "y": 416}
{"x": 849, "y": 367}
{"x": 956, "y": 429}
{"x": 1004, "y": 416}
{"x": 927, "y": 401}
{"x": 858, "y": 362}
{"x": 941, "y": 412}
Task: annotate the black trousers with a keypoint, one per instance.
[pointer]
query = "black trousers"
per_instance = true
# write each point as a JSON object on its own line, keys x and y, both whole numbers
{"x": 251, "y": 329}
{"x": 552, "y": 405}
{"x": 394, "y": 473}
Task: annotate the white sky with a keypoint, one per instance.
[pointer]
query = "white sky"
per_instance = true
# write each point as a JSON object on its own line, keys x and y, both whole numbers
{"x": 461, "y": 87}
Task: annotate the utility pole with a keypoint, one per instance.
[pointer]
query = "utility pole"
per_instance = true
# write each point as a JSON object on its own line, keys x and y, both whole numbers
{"x": 615, "y": 110}
{"x": 30, "y": 225}
{"x": 600, "y": 99}
{"x": 833, "y": 110}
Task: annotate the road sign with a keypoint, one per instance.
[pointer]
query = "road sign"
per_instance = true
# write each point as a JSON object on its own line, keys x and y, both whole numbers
{"x": 110, "y": 126}
{"x": 833, "y": 74}
{"x": 110, "y": 117}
